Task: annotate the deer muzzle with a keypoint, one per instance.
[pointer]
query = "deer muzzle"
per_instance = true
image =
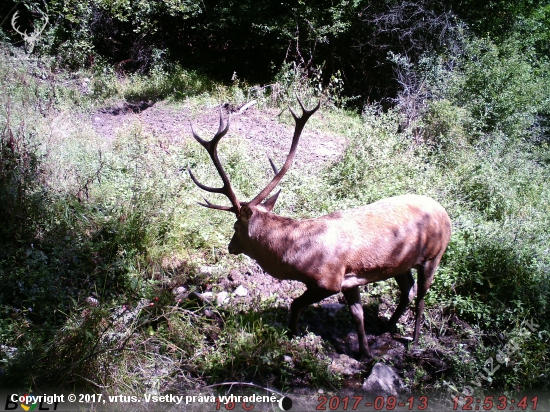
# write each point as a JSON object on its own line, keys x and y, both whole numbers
{"x": 234, "y": 247}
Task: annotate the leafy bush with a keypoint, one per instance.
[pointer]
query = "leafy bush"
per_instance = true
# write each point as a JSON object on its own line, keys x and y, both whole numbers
{"x": 503, "y": 87}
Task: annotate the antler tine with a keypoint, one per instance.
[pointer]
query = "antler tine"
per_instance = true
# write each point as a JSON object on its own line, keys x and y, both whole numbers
{"x": 197, "y": 137}
{"x": 302, "y": 105}
{"x": 221, "y": 128}
{"x": 275, "y": 170}
{"x": 300, "y": 123}
{"x": 204, "y": 187}
{"x": 217, "y": 207}
{"x": 45, "y": 22}
{"x": 212, "y": 149}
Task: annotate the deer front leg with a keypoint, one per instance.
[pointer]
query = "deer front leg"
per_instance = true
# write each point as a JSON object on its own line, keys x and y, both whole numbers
{"x": 311, "y": 295}
{"x": 353, "y": 297}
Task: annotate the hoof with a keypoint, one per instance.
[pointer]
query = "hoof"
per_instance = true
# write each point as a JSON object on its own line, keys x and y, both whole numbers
{"x": 365, "y": 354}
{"x": 366, "y": 358}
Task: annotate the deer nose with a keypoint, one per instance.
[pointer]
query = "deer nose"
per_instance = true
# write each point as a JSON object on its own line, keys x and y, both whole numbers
{"x": 232, "y": 249}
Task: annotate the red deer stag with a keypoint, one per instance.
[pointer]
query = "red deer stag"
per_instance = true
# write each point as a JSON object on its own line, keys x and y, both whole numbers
{"x": 341, "y": 251}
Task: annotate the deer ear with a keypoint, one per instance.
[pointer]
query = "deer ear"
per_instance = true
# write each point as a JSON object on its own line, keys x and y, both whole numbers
{"x": 246, "y": 213}
{"x": 269, "y": 204}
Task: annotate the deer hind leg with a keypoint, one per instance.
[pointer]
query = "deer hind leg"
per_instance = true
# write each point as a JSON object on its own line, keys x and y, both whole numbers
{"x": 353, "y": 297}
{"x": 311, "y": 295}
{"x": 425, "y": 277}
{"x": 406, "y": 289}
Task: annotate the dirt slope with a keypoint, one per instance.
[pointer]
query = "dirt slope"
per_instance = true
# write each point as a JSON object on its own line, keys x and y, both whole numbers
{"x": 263, "y": 129}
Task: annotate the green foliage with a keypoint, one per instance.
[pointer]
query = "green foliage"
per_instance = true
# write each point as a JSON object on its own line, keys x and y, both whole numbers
{"x": 446, "y": 128}
{"x": 476, "y": 150}
{"x": 143, "y": 15}
{"x": 339, "y": 40}
{"x": 250, "y": 349}
{"x": 380, "y": 163}
{"x": 504, "y": 88}
{"x": 492, "y": 96}
{"x": 91, "y": 222}
{"x": 496, "y": 17}
{"x": 87, "y": 33}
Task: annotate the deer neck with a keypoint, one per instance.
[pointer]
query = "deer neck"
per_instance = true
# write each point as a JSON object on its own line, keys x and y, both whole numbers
{"x": 268, "y": 240}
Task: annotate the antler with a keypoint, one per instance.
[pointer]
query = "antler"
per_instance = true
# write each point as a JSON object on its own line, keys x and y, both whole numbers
{"x": 37, "y": 33}
{"x": 212, "y": 149}
{"x": 13, "y": 20}
{"x": 300, "y": 123}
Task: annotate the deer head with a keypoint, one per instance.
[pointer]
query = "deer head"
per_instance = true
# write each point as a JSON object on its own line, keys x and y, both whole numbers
{"x": 29, "y": 39}
{"x": 245, "y": 210}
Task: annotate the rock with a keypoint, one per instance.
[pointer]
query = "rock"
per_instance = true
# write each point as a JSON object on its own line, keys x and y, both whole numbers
{"x": 206, "y": 270}
{"x": 289, "y": 360}
{"x": 345, "y": 365}
{"x": 179, "y": 293}
{"x": 180, "y": 290}
{"x": 383, "y": 380}
{"x": 222, "y": 297}
{"x": 241, "y": 291}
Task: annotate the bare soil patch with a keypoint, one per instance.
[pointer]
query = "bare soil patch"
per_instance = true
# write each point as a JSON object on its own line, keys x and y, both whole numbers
{"x": 331, "y": 320}
{"x": 263, "y": 129}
